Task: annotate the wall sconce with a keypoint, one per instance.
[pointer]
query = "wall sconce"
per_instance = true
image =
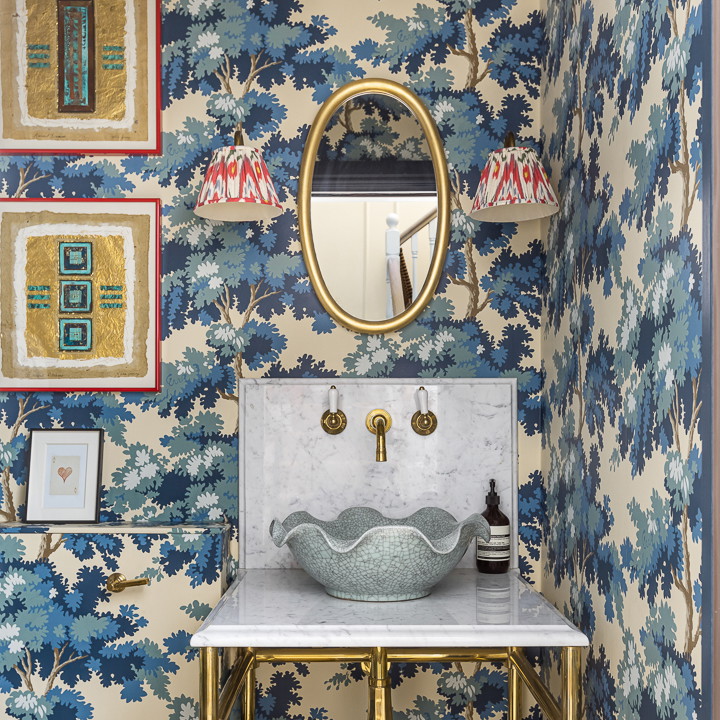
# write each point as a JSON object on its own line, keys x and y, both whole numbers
{"x": 237, "y": 186}
{"x": 513, "y": 187}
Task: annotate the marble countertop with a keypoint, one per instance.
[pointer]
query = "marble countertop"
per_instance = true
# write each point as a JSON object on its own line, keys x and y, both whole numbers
{"x": 287, "y": 608}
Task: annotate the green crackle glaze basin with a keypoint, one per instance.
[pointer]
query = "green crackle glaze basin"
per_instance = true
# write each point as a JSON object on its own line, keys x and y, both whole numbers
{"x": 363, "y": 555}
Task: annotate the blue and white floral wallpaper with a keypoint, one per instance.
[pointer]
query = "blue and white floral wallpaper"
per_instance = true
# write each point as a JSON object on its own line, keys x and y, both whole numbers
{"x": 236, "y": 298}
{"x": 600, "y": 324}
{"x": 71, "y": 651}
{"x": 622, "y": 349}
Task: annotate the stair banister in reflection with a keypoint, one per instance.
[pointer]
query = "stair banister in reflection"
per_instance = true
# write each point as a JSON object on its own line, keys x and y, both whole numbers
{"x": 395, "y": 304}
{"x": 413, "y": 233}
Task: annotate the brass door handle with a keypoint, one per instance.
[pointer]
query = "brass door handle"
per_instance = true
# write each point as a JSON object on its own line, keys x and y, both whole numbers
{"x": 117, "y": 582}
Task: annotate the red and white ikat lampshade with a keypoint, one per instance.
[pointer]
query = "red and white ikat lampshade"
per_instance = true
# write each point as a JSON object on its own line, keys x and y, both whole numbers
{"x": 513, "y": 187}
{"x": 237, "y": 187}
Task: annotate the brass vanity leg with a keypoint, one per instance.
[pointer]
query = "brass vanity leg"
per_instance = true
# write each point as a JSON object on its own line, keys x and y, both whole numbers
{"x": 571, "y": 683}
{"x": 514, "y": 689}
{"x": 208, "y": 683}
{"x": 248, "y": 692}
{"x": 229, "y": 657}
{"x": 380, "y": 705}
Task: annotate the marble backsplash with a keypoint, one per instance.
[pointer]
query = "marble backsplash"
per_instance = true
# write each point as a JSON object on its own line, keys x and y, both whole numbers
{"x": 288, "y": 462}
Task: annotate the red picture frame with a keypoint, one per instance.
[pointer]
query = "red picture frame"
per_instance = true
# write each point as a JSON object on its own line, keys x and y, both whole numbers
{"x": 56, "y": 225}
{"x": 21, "y": 133}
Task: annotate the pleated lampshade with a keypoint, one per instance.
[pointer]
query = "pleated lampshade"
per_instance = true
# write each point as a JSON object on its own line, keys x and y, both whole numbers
{"x": 237, "y": 187}
{"x": 513, "y": 187}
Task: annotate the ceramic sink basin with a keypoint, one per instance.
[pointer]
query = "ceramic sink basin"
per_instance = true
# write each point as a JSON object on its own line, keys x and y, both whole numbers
{"x": 363, "y": 555}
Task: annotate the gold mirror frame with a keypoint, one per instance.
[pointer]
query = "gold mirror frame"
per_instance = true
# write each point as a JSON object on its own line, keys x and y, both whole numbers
{"x": 307, "y": 169}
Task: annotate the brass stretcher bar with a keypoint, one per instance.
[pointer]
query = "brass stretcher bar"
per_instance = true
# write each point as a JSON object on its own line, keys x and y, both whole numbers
{"x": 217, "y": 704}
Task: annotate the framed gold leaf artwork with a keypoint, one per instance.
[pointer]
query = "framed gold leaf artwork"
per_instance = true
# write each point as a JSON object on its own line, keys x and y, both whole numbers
{"x": 79, "y": 294}
{"x": 80, "y": 76}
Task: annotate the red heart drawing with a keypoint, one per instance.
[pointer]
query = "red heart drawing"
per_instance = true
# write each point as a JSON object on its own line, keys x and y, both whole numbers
{"x": 65, "y": 473}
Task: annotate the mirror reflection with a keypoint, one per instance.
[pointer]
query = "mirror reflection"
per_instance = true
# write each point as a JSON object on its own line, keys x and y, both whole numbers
{"x": 374, "y": 206}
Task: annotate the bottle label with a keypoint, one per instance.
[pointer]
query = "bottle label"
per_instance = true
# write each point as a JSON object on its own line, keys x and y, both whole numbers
{"x": 498, "y": 547}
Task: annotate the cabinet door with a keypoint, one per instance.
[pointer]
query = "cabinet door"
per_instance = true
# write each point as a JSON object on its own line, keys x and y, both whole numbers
{"x": 70, "y": 649}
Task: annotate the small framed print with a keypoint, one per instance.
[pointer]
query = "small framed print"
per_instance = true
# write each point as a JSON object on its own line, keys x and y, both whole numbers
{"x": 80, "y": 76}
{"x": 79, "y": 294}
{"x": 64, "y": 479}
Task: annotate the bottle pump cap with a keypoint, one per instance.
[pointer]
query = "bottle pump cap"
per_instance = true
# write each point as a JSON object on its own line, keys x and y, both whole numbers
{"x": 492, "y": 497}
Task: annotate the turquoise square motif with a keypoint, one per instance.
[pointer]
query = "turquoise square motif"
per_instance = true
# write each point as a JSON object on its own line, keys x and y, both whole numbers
{"x": 75, "y": 258}
{"x": 75, "y": 334}
{"x": 75, "y": 296}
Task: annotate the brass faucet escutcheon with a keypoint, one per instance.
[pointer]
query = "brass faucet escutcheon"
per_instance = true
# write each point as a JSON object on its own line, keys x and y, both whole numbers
{"x": 424, "y": 424}
{"x": 117, "y": 582}
{"x": 333, "y": 423}
{"x": 378, "y": 423}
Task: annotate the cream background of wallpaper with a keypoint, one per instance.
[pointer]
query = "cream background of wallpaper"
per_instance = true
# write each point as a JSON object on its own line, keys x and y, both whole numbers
{"x": 616, "y": 480}
{"x": 352, "y": 23}
{"x": 159, "y": 604}
{"x": 351, "y": 20}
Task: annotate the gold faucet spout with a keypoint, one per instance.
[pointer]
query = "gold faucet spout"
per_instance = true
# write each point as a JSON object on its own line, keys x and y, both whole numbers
{"x": 378, "y": 422}
{"x": 380, "y": 446}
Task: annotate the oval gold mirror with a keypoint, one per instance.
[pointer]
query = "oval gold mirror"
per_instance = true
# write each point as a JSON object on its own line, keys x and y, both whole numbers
{"x": 374, "y": 206}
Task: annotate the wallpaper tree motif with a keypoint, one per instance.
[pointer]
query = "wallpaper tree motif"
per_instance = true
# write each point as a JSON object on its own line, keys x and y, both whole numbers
{"x": 236, "y": 298}
{"x": 236, "y": 293}
{"x": 623, "y": 323}
{"x": 59, "y": 630}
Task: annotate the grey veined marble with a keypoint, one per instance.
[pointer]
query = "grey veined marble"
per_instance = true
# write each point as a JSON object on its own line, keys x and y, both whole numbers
{"x": 363, "y": 555}
{"x": 289, "y": 463}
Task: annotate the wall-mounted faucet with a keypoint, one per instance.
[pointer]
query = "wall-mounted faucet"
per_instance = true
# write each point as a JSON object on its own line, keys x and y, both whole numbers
{"x": 378, "y": 423}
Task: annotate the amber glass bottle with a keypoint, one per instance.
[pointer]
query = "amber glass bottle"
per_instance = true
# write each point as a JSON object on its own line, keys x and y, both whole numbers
{"x": 494, "y": 556}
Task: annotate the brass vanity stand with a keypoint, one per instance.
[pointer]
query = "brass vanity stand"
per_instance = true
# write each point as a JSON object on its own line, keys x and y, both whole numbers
{"x": 467, "y": 618}
{"x": 217, "y": 705}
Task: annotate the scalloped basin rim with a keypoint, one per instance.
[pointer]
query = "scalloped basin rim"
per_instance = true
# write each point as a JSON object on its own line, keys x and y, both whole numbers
{"x": 283, "y": 532}
{"x": 363, "y": 555}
